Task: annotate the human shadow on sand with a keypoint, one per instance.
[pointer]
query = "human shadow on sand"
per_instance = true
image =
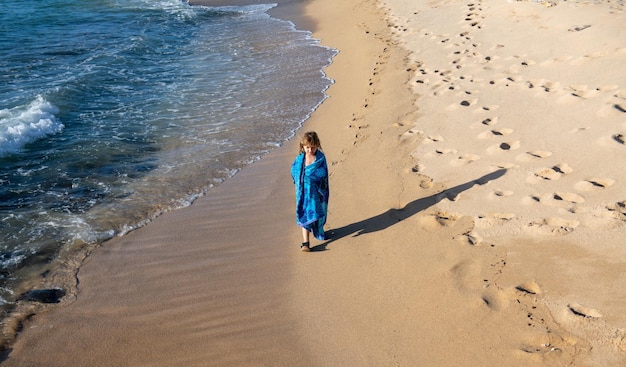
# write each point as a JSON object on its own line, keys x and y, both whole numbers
{"x": 392, "y": 216}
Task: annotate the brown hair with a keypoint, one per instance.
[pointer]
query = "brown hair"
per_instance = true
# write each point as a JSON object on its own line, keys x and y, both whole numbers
{"x": 310, "y": 139}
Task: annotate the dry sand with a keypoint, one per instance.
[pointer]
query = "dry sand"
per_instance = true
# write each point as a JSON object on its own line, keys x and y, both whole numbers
{"x": 477, "y": 158}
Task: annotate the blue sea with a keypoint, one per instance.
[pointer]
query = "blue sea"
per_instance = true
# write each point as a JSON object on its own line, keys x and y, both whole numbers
{"x": 113, "y": 112}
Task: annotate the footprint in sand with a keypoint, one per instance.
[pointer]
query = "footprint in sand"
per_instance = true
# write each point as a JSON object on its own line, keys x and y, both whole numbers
{"x": 581, "y": 311}
{"x": 417, "y": 168}
{"x": 503, "y": 147}
{"x": 488, "y": 108}
{"x": 494, "y": 300}
{"x": 558, "y": 199}
{"x": 495, "y": 132}
{"x": 533, "y": 155}
{"x": 540, "y": 153}
{"x": 464, "y": 160}
{"x": 408, "y": 132}
{"x": 471, "y": 238}
{"x": 601, "y": 182}
{"x": 548, "y": 174}
{"x": 505, "y": 165}
{"x": 426, "y": 183}
{"x": 446, "y": 218}
{"x": 578, "y": 28}
{"x": 500, "y": 132}
{"x": 620, "y": 138}
{"x": 489, "y": 59}
{"x": 527, "y": 62}
{"x": 555, "y": 172}
{"x": 554, "y": 226}
{"x": 468, "y": 78}
{"x": 583, "y": 91}
{"x": 492, "y": 219}
{"x": 529, "y": 287}
{"x": 440, "y": 152}
{"x": 433, "y": 139}
{"x": 445, "y": 151}
{"x": 490, "y": 121}
{"x": 532, "y": 83}
{"x": 511, "y": 145}
{"x": 568, "y": 197}
{"x": 503, "y": 193}
{"x": 467, "y": 103}
{"x": 465, "y": 35}
{"x": 411, "y": 135}
{"x": 445, "y": 37}
{"x": 513, "y": 79}
{"x": 550, "y": 86}
{"x": 594, "y": 183}
{"x": 619, "y": 209}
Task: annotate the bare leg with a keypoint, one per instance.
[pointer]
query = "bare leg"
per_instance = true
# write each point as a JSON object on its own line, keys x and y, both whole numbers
{"x": 305, "y": 235}
{"x": 305, "y": 241}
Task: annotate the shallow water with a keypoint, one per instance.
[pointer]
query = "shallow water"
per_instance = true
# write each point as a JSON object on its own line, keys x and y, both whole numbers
{"x": 116, "y": 111}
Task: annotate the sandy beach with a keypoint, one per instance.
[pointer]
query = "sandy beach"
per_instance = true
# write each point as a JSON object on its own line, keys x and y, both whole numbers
{"x": 477, "y": 158}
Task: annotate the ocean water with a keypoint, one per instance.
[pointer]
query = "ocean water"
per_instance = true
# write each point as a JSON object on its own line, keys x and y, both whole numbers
{"x": 113, "y": 112}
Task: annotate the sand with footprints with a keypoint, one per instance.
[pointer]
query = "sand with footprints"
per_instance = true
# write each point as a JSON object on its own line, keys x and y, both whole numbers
{"x": 538, "y": 89}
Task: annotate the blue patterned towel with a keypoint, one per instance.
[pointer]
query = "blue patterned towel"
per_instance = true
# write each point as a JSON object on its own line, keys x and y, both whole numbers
{"x": 312, "y": 193}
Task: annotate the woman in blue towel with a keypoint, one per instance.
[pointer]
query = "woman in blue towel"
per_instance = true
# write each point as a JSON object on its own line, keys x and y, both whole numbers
{"x": 310, "y": 176}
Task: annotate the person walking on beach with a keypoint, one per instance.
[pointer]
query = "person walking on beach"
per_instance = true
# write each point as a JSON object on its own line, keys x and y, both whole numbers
{"x": 309, "y": 172}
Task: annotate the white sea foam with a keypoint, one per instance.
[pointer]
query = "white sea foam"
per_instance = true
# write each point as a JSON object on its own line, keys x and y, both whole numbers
{"x": 179, "y": 8}
{"x": 243, "y": 9}
{"x": 24, "y": 124}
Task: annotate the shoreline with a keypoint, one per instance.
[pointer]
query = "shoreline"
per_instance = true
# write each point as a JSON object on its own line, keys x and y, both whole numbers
{"x": 46, "y": 272}
{"x": 245, "y": 303}
{"x": 290, "y": 10}
{"x": 432, "y": 260}
{"x": 55, "y": 286}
